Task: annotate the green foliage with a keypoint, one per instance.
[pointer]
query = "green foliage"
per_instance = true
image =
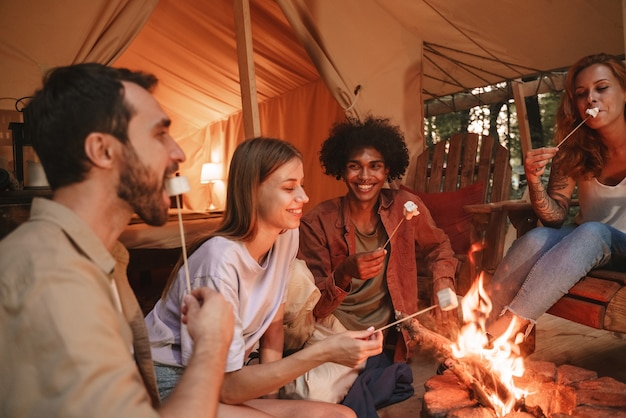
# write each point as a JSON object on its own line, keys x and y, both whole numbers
{"x": 549, "y": 103}
{"x": 480, "y": 118}
{"x": 444, "y": 126}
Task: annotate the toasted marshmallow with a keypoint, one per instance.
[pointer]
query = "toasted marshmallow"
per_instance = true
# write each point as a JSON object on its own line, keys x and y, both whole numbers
{"x": 177, "y": 185}
{"x": 447, "y": 299}
{"x": 593, "y": 112}
{"x": 410, "y": 210}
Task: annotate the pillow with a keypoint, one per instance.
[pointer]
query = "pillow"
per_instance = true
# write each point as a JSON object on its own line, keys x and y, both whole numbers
{"x": 446, "y": 208}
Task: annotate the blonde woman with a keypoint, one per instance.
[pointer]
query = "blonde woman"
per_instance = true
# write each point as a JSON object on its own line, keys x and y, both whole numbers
{"x": 248, "y": 260}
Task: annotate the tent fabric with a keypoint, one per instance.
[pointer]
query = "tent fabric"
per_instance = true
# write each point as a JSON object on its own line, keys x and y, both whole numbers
{"x": 309, "y": 58}
{"x": 482, "y": 42}
{"x": 301, "y": 117}
{"x": 36, "y": 35}
{"x": 370, "y": 63}
{"x": 191, "y": 47}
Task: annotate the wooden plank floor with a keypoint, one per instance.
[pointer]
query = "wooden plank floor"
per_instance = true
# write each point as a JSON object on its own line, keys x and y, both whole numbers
{"x": 557, "y": 340}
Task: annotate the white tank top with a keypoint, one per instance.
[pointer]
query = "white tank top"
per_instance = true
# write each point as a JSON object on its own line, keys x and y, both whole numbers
{"x": 602, "y": 203}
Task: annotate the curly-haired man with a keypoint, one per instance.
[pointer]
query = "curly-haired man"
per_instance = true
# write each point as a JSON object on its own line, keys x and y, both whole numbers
{"x": 362, "y": 280}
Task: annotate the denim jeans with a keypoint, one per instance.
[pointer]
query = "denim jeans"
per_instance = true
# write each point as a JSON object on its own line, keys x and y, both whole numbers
{"x": 542, "y": 265}
{"x": 167, "y": 377}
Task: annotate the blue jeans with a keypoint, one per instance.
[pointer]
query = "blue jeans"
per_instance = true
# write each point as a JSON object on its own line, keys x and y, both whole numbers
{"x": 542, "y": 265}
{"x": 167, "y": 377}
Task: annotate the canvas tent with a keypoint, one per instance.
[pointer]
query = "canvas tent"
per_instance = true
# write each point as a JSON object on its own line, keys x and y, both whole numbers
{"x": 312, "y": 59}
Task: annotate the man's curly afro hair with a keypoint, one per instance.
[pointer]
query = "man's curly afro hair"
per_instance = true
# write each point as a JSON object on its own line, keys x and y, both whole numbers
{"x": 351, "y": 136}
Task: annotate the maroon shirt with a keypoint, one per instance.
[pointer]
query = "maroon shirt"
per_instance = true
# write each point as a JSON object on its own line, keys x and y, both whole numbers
{"x": 327, "y": 238}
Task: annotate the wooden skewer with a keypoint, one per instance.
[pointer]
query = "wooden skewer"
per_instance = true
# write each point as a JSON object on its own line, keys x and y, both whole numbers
{"x": 406, "y": 317}
{"x": 573, "y": 130}
{"x": 447, "y": 301}
{"x": 182, "y": 240}
{"x": 393, "y": 232}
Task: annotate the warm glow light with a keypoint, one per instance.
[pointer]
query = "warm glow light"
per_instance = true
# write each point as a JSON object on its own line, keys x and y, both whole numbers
{"x": 210, "y": 172}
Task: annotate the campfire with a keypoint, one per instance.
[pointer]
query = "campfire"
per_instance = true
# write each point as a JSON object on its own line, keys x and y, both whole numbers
{"x": 498, "y": 360}
{"x": 490, "y": 378}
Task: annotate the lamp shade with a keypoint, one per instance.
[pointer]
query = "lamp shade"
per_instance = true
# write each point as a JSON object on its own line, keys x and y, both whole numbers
{"x": 210, "y": 172}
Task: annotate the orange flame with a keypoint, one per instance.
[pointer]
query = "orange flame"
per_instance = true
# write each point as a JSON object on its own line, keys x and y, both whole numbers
{"x": 501, "y": 356}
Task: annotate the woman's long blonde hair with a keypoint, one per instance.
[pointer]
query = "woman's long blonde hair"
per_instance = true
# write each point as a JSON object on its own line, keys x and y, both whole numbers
{"x": 252, "y": 163}
{"x": 583, "y": 154}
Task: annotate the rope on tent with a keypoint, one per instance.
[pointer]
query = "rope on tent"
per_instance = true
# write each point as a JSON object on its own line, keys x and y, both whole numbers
{"x": 469, "y": 38}
{"x": 357, "y": 92}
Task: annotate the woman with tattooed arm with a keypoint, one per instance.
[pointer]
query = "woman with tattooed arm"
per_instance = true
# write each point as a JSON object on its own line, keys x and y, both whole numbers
{"x": 545, "y": 263}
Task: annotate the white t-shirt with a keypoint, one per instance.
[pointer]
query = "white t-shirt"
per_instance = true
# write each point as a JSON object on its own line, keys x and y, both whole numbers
{"x": 255, "y": 291}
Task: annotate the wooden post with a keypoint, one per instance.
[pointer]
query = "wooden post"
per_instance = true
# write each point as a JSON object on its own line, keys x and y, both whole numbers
{"x": 522, "y": 116}
{"x": 243, "y": 32}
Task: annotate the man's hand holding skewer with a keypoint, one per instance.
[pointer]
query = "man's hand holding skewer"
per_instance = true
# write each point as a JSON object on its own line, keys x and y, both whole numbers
{"x": 447, "y": 319}
{"x": 364, "y": 266}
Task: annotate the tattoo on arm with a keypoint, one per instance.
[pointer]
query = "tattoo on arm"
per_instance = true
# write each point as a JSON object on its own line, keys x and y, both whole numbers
{"x": 551, "y": 205}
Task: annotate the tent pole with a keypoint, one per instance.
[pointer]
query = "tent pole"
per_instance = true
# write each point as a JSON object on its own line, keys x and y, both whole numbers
{"x": 245, "y": 58}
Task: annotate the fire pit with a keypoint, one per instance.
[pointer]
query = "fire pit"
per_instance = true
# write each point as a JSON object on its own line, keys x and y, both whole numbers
{"x": 489, "y": 378}
{"x": 552, "y": 391}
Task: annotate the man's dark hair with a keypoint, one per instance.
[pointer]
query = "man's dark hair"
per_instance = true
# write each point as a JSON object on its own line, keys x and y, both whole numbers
{"x": 73, "y": 102}
{"x": 351, "y": 136}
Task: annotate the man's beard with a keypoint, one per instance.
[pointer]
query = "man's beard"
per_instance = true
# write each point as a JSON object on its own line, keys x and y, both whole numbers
{"x": 141, "y": 189}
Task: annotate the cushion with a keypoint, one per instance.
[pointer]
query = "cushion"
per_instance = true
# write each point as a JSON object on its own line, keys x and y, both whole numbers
{"x": 446, "y": 208}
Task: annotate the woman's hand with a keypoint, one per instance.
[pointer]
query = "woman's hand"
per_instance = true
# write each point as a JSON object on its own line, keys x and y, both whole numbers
{"x": 351, "y": 348}
{"x": 536, "y": 161}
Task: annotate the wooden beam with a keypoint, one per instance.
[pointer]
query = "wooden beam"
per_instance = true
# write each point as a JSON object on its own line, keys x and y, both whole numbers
{"x": 522, "y": 116}
{"x": 463, "y": 101}
{"x": 247, "y": 81}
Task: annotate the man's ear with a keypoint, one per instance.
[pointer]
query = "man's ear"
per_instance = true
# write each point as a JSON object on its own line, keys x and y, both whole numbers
{"x": 98, "y": 147}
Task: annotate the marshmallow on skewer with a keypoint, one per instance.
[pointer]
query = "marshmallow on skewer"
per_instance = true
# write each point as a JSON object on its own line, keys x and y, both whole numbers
{"x": 593, "y": 112}
{"x": 177, "y": 185}
{"x": 447, "y": 301}
{"x": 410, "y": 210}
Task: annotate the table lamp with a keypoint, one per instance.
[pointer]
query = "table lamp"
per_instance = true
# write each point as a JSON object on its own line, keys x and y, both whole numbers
{"x": 211, "y": 172}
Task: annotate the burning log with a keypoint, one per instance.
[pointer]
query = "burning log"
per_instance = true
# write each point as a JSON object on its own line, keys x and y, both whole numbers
{"x": 470, "y": 372}
{"x": 563, "y": 391}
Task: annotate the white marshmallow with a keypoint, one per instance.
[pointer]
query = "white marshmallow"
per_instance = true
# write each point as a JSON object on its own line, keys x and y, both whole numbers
{"x": 410, "y": 210}
{"x": 593, "y": 112}
{"x": 447, "y": 299}
{"x": 177, "y": 185}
